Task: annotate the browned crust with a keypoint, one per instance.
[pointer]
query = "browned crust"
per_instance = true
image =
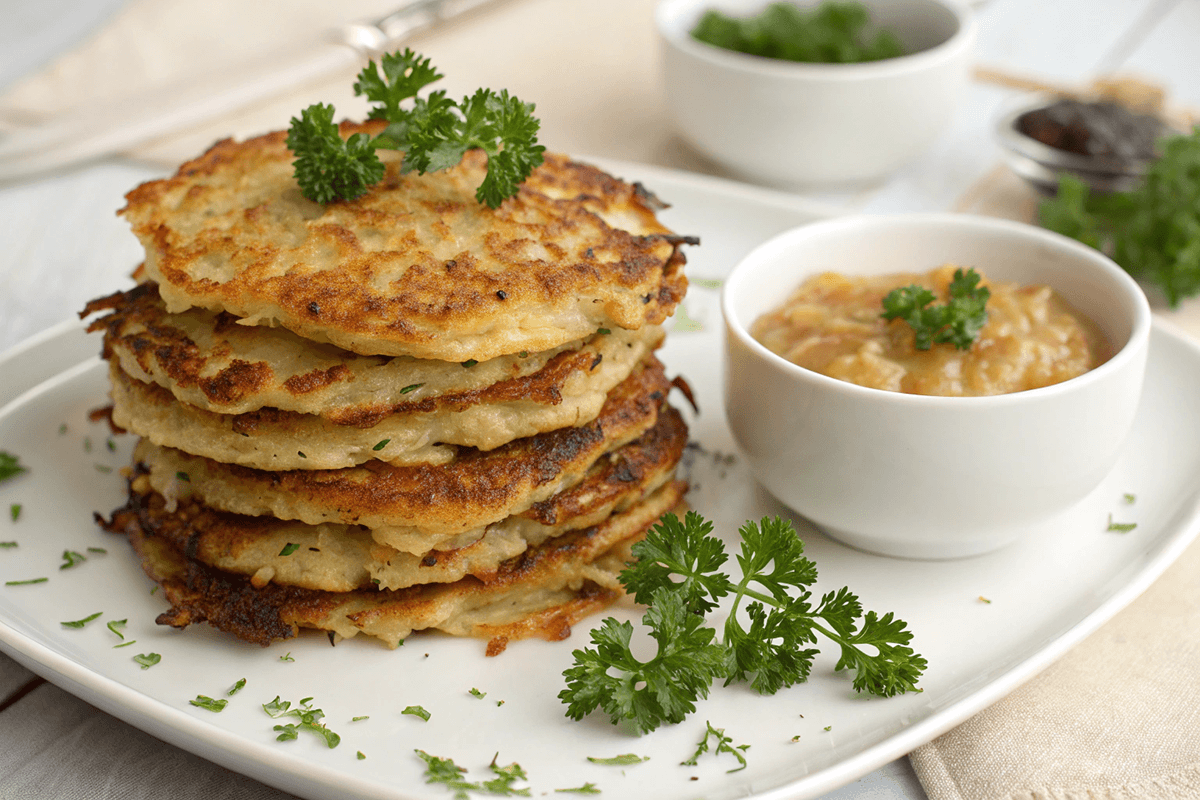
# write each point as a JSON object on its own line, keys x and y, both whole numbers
{"x": 231, "y": 603}
{"x": 519, "y": 258}
{"x": 139, "y": 324}
{"x": 631, "y": 473}
{"x": 475, "y": 488}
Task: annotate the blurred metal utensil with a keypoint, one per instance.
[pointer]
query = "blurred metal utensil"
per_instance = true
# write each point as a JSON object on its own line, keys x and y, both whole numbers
{"x": 102, "y": 129}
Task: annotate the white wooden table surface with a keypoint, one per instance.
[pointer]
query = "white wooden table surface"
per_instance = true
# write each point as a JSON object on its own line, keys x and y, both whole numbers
{"x": 63, "y": 245}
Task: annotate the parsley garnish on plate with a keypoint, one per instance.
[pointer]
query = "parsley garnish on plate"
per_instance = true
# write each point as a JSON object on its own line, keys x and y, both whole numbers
{"x": 310, "y": 720}
{"x": 434, "y": 132}
{"x": 446, "y": 772}
{"x": 956, "y": 322}
{"x": 79, "y": 623}
{"x": 623, "y": 760}
{"x": 724, "y": 745}
{"x": 147, "y": 660}
{"x": 209, "y": 704}
{"x": 10, "y": 465}
{"x": 764, "y": 644}
{"x": 417, "y": 711}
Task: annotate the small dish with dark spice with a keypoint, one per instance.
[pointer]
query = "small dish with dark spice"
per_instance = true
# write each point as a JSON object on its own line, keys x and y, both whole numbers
{"x": 917, "y": 475}
{"x": 1102, "y": 141}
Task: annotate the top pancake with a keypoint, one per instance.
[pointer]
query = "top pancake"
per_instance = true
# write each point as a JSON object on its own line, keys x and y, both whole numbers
{"x": 414, "y": 267}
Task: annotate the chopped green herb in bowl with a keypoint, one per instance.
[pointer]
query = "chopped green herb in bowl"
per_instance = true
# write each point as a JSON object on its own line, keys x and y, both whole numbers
{"x": 831, "y": 33}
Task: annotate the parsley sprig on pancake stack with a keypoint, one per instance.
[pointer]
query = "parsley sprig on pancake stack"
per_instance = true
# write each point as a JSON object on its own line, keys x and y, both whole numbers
{"x": 411, "y": 408}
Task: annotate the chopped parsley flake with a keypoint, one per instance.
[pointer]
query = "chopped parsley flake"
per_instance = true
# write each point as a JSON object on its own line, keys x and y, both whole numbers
{"x": 412, "y": 387}
{"x": 417, "y": 711}
{"x": 10, "y": 466}
{"x": 310, "y": 720}
{"x": 124, "y": 644}
{"x": 1130, "y": 498}
{"x": 79, "y": 623}
{"x": 358, "y": 719}
{"x": 87, "y": 444}
{"x": 116, "y": 625}
{"x": 624, "y": 760}
{"x": 983, "y": 599}
{"x": 382, "y": 444}
{"x": 182, "y": 476}
{"x": 98, "y": 551}
{"x": 14, "y": 511}
{"x": 360, "y": 755}
{"x": 603, "y": 331}
{"x": 62, "y": 429}
{"x": 209, "y": 704}
{"x": 71, "y": 559}
{"x": 103, "y": 468}
{"x": 110, "y": 444}
{"x": 237, "y": 687}
{"x": 27, "y": 582}
{"x": 470, "y": 362}
{"x": 476, "y": 693}
{"x": 286, "y": 657}
{"x": 705, "y": 283}
{"x": 587, "y": 788}
{"x": 147, "y": 660}
{"x": 684, "y": 323}
{"x": 8, "y": 544}
{"x": 828, "y": 727}
{"x": 724, "y": 745}
{"x": 299, "y": 453}
{"x": 289, "y": 548}
{"x": 1120, "y": 527}
{"x": 446, "y": 772}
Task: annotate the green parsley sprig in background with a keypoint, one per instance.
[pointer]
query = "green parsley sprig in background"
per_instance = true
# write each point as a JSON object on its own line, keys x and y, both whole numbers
{"x": 1153, "y": 232}
{"x": 434, "y": 132}
{"x": 678, "y": 574}
{"x": 956, "y": 322}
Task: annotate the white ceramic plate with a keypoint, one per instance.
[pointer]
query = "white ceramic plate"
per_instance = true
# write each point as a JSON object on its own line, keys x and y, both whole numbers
{"x": 1047, "y": 592}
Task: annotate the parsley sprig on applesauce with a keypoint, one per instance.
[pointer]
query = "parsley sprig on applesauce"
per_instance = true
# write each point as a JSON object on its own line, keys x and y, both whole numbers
{"x": 765, "y": 639}
{"x": 434, "y": 132}
{"x": 956, "y": 322}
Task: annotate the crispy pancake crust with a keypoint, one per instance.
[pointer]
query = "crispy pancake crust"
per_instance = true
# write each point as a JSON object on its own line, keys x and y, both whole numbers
{"x": 414, "y": 267}
{"x": 338, "y": 557}
{"x": 270, "y": 439}
{"x": 208, "y": 361}
{"x": 474, "y": 490}
{"x": 541, "y": 593}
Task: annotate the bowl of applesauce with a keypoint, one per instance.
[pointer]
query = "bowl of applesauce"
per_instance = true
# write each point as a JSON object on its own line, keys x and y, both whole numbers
{"x": 929, "y": 385}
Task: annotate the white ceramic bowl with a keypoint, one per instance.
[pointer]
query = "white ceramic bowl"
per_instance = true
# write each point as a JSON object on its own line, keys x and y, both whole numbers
{"x": 790, "y": 124}
{"x": 917, "y": 476}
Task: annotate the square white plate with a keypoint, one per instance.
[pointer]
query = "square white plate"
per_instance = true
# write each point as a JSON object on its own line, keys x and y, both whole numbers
{"x": 1047, "y": 592}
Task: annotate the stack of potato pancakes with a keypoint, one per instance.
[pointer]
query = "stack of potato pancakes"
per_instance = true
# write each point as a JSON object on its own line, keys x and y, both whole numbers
{"x": 402, "y": 412}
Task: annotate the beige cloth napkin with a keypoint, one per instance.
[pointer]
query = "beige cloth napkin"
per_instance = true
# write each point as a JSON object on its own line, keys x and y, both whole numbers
{"x": 1118, "y": 718}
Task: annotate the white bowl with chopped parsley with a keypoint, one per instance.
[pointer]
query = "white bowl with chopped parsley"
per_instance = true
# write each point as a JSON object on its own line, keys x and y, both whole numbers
{"x": 920, "y": 476}
{"x": 792, "y": 123}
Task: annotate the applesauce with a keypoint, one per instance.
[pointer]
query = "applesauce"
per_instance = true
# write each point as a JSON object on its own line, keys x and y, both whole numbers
{"x": 832, "y": 324}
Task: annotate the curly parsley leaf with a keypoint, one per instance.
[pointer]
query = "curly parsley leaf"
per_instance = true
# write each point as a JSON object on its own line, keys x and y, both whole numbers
{"x": 446, "y": 772}
{"x": 765, "y": 642}
{"x": 1153, "y": 231}
{"x": 956, "y": 322}
{"x": 687, "y": 550}
{"x": 435, "y": 132}
{"x": 404, "y": 74}
{"x": 646, "y": 694}
{"x": 328, "y": 167}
